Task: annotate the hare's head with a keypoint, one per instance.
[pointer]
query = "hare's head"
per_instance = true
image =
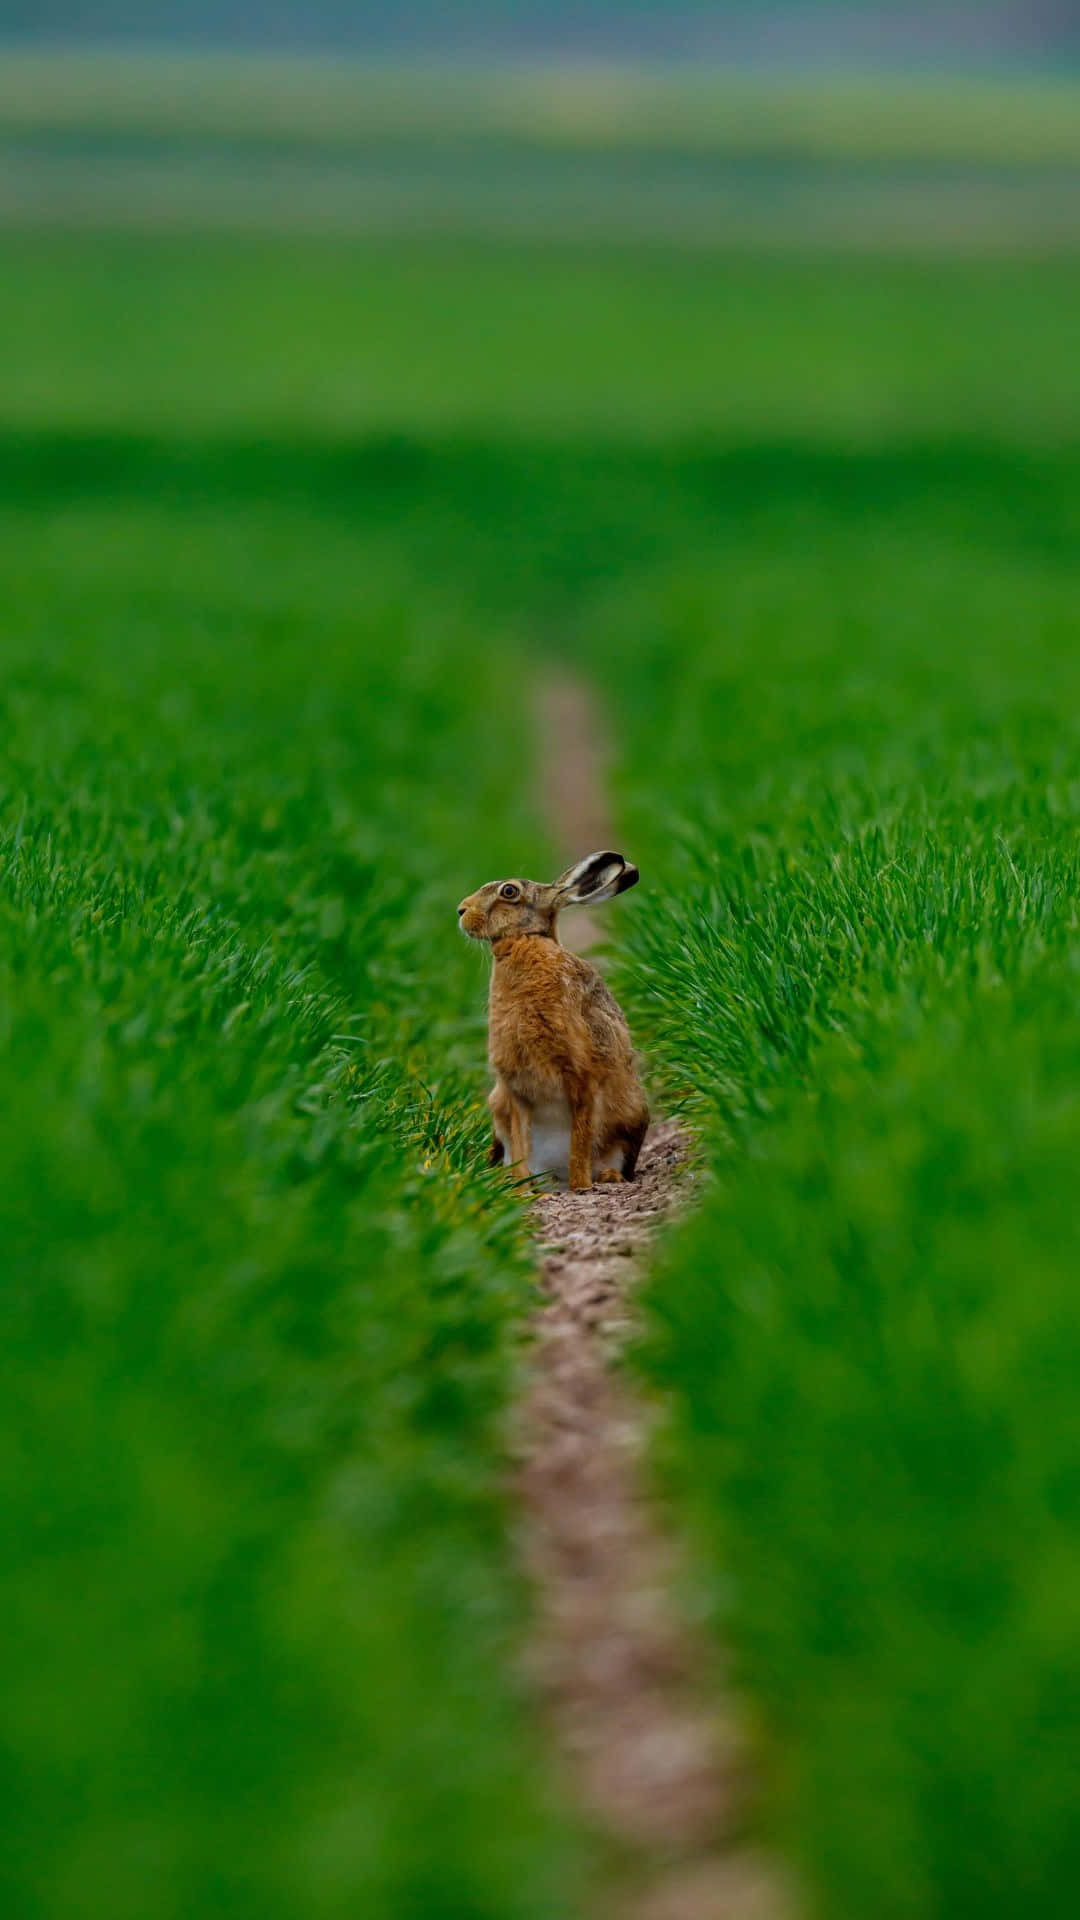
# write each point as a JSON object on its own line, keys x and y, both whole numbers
{"x": 504, "y": 908}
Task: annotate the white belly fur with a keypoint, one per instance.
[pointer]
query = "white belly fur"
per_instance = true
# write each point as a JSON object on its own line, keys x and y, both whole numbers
{"x": 551, "y": 1139}
{"x": 551, "y": 1143}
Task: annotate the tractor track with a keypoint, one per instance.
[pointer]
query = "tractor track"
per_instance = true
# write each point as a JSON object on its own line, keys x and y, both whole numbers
{"x": 649, "y": 1737}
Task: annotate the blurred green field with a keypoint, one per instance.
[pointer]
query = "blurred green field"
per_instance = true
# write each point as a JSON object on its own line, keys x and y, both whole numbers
{"x": 318, "y": 341}
{"x": 591, "y": 153}
{"x": 260, "y": 1308}
{"x": 975, "y": 117}
{"x": 286, "y": 529}
{"x": 861, "y": 975}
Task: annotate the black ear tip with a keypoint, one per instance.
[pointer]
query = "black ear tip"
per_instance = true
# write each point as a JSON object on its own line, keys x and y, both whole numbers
{"x": 628, "y": 878}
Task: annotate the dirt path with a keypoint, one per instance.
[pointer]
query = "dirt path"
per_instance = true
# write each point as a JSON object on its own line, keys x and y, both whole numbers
{"x": 652, "y": 1748}
{"x": 574, "y": 756}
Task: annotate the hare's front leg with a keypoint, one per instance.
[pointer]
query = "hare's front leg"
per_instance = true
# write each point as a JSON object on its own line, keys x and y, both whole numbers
{"x": 581, "y": 1136}
{"x": 520, "y": 1133}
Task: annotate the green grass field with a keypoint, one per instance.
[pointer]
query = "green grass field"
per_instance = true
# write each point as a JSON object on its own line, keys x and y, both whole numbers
{"x": 259, "y": 1308}
{"x": 287, "y": 527}
{"x": 862, "y": 976}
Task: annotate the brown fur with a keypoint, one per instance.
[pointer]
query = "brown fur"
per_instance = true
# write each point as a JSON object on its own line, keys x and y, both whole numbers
{"x": 555, "y": 1033}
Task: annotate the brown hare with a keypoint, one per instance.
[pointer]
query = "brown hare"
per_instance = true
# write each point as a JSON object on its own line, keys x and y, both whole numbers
{"x": 566, "y": 1099}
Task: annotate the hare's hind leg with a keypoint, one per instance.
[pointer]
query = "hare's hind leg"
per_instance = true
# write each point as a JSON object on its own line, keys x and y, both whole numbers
{"x": 499, "y": 1102}
{"x": 624, "y": 1148}
{"x": 633, "y": 1140}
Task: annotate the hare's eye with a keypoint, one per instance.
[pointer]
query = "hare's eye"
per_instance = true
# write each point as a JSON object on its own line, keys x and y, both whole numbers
{"x": 509, "y": 891}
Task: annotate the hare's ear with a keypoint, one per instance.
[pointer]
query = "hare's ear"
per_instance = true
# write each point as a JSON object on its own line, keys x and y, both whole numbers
{"x": 598, "y": 877}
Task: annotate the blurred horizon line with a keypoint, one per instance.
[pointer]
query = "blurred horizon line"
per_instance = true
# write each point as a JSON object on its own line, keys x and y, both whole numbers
{"x": 804, "y": 35}
{"x": 614, "y": 151}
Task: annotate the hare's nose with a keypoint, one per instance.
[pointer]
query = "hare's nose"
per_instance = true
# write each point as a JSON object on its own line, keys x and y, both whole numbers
{"x": 461, "y": 909}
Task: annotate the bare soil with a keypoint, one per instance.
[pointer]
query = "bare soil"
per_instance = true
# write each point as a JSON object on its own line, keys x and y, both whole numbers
{"x": 650, "y": 1739}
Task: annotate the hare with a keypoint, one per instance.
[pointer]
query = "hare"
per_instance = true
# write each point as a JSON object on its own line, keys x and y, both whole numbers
{"x": 566, "y": 1099}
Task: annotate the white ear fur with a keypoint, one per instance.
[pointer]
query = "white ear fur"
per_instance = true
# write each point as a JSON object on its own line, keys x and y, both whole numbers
{"x": 598, "y": 877}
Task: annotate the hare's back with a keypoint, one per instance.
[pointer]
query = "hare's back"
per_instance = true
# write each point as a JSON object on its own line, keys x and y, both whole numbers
{"x": 603, "y": 1016}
